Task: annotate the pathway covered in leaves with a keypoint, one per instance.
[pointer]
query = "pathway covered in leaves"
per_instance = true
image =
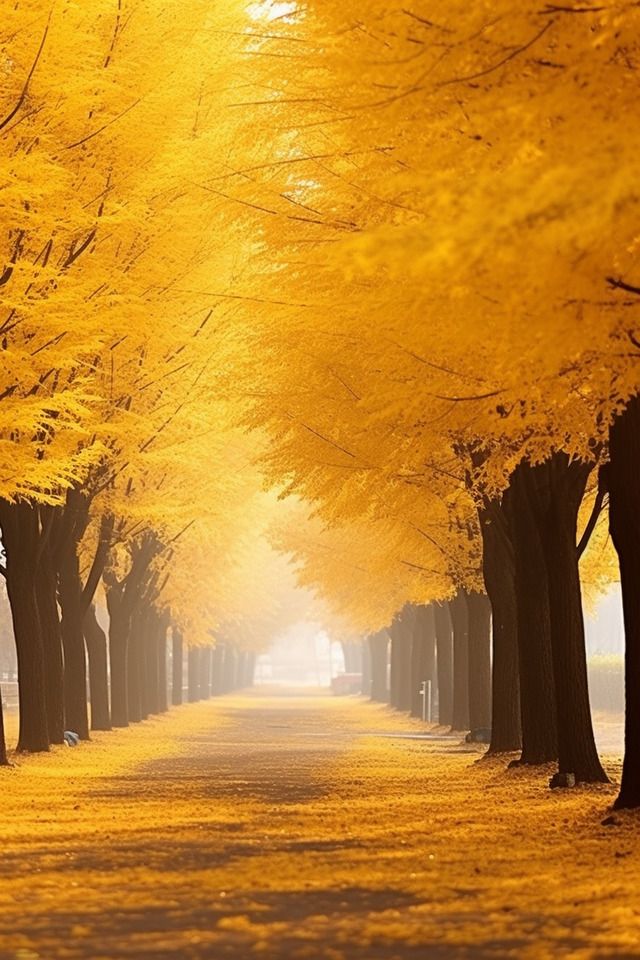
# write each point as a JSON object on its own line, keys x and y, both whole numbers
{"x": 274, "y": 826}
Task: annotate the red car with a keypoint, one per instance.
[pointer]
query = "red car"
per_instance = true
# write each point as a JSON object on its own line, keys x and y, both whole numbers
{"x": 346, "y": 683}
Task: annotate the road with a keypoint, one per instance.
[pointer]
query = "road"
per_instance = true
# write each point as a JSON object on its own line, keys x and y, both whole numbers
{"x": 305, "y": 827}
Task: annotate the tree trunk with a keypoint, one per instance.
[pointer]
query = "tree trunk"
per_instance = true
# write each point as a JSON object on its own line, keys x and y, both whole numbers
{"x": 562, "y": 486}
{"x": 45, "y": 585}
{"x": 194, "y": 674}
{"x": 118, "y": 660}
{"x": 479, "y": 609}
{"x": 161, "y": 641}
{"x": 4, "y": 760}
{"x": 152, "y": 662}
{"x": 624, "y": 521}
{"x": 177, "y": 667}
{"x": 217, "y": 670}
{"x": 75, "y": 660}
{"x": 366, "y": 667}
{"x": 230, "y": 668}
{"x": 96, "y": 642}
{"x": 205, "y": 673}
{"x": 537, "y": 697}
{"x": 379, "y": 655}
{"x": 423, "y": 652}
{"x": 460, "y": 621}
{"x": 135, "y": 669}
{"x": 499, "y": 578}
{"x": 20, "y": 536}
{"x": 401, "y": 640}
{"x": 351, "y": 652}
{"x": 394, "y": 664}
{"x": 444, "y": 661}
{"x": 251, "y": 669}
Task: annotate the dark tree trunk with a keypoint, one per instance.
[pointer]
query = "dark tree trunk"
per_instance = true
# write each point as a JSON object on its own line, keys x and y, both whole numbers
{"x": 560, "y": 487}
{"x": 194, "y": 674}
{"x": 75, "y": 660}
{"x": 135, "y": 669}
{"x": 537, "y": 697}
{"x": 118, "y": 660}
{"x": 96, "y": 642}
{"x": 622, "y": 476}
{"x": 366, "y": 667}
{"x": 152, "y": 664}
{"x": 124, "y": 599}
{"x": 4, "y": 760}
{"x": 499, "y": 579}
{"x": 176, "y": 667}
{"x": 205, "y": 673}
{"x": 423, "y": 651}
{"x": 401, "y": 640}
{"x": 251, "y": 669}
{"x": 460, "y": 622}
{"x": 444, "y": 661}
{"x": 407, "y": 681}
{"x": 230, "y": 668}
{"x": 379, "y": 655}
{"x": 245, "y": 670}
{"x": 161, "y": 640}
{"x": 479, "y": 610}
{"x": 20, "y": 535}
{"x": 45, "y": 584}
{"x": 217, "y": 670}
{"x": 394, "y": 664}
{"x": 352, "y": 653}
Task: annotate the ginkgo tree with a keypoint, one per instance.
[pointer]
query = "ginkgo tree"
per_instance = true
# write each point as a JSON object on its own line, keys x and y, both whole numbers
{"x": 470, "y": 244}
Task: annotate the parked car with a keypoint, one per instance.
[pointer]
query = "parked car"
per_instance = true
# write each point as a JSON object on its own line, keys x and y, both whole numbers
{"x": 346, "y": 683}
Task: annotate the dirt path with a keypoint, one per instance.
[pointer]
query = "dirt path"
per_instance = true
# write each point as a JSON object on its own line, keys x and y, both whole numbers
{"x": 287, "y": 827}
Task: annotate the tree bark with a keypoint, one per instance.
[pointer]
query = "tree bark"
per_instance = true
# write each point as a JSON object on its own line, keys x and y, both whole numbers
{"x": 499, "y": 578}
{"x": 96, "y": 642}
{"x": 45, "y": 585}
{"x": 479, "y": 610}
{"x": 366, "y": 667}
{"x": 351, "y": 651}
{"x": 401, "y": 641}
{"x": 161, "y": 641}
{"x": 20, "y": 536}
{"x": 444, "y": 661}
{"x": 460, "y": 622}
{"x": 423, "y": 652}
{"x": 124, "y": 597}
{"x": 4, "y": 760}
{"x": 217, "y": 670}
{"x": 537, "y": 695}
{"x": 624, "y": 522}
{"x": 394, "y": 663}
{"x": 251, "y": 669}
{"x": 560, "y": 485}
{"x": 152, "y": 662}
{"x": 177, "y": 667}
{"x": 230, "y": 668}
{"x": 119, "y": 626}
{"x": 204, "y": 673}
{"x": 379, "y": 654}
{"x": 75, "y": 660}
{"x": 135, "y": 669}
{"x": 193, "y": 671}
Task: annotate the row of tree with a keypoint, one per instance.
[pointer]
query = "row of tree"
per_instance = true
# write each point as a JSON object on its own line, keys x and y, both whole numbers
{"x": 457, "y": 309}
{"x": 354, "y": 255}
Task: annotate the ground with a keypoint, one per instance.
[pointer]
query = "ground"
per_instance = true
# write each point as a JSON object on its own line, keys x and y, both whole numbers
{"x": 310, "y": 828}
